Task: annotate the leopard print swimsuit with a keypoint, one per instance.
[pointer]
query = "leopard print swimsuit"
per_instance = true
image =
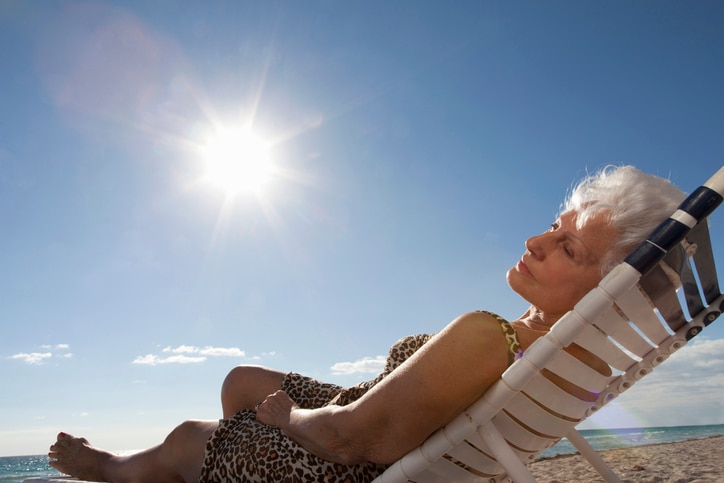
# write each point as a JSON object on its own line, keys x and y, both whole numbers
{"x": 245, "y": 450}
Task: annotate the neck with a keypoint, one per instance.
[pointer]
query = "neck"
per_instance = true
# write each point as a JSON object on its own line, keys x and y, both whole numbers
{"x": 535, "y": 319}
{"x": 532, "y": 325}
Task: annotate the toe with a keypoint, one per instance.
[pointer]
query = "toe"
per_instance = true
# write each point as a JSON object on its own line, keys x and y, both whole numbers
{"x": 59, "y": 446}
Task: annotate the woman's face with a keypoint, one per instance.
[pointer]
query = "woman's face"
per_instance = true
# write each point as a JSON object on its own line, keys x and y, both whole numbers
{"x": 561, "y": 265}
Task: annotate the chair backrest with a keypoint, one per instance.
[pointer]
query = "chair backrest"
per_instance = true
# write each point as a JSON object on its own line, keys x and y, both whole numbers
{"x": 615, "y": 335}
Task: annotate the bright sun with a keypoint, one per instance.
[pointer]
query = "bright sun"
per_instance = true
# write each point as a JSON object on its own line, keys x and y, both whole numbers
{"x": 237, "y": 161}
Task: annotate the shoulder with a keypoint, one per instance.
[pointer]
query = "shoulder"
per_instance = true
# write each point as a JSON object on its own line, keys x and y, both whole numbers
{"x": 478, "y": 321}
{"x": 473, "y": 340}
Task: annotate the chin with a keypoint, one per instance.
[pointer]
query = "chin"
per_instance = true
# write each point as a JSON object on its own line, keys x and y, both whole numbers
{"x": 515, "y": 279}
{"x": 509, "y": 274}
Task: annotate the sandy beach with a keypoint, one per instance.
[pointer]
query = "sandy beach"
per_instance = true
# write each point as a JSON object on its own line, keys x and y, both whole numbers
{"x": 696, "y": 460}
{"x": 692, "y": 461}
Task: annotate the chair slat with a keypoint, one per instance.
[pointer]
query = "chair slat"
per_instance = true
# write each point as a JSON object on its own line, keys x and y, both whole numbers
{"x": 577, "y": 373}
{"x": 482, "y": 463}
{"x": 536, "y": 418}
{"x": 444, "y": 471}
{"x": 662, "y": 292}
{"x": 636, "y": 306}
{"x": 555, "y": 399}
{"x": 619, "y": 329}
{"x": 596, "y": 342}
{"x": 692, "y": 296}
{"x": 517, "y": 435}
{"x": 704, "y": 261}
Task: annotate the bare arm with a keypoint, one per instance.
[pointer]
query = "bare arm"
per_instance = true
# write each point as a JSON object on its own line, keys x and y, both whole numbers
{"x": 428, "y": 390}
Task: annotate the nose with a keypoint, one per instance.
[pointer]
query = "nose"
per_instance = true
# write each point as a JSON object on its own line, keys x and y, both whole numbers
{"x": 539, "y": 245}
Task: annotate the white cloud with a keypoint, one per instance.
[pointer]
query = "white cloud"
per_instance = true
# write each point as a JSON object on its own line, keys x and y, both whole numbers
{"x": 182, "y": 360}
{"x": 148, "y": 359}
{"x": 39, "y": 358}
{"x": 57, "y": 346}
{"x": 153, "y": 360}
{"x": 685, "y": 389}
{"x": 701, "y": 352}
{"x": 364, "y": 365}
{"x": 222, "y": 351}
{"x": 32, "y": 357}
{"x": 696, "y": 362}
{"x": 182, "y": 349}
{"x": 182, "y": 355}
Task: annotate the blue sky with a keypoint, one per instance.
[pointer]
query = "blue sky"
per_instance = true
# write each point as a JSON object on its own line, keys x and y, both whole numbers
{"x": 415, "y": 146}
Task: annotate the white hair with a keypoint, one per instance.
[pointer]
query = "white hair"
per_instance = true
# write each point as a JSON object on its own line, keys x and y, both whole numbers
{"x": 634, "y": 203}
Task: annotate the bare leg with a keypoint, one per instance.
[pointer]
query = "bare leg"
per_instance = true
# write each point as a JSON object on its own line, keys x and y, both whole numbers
{"x": 177, "y": 459}
{"x": 180, "y": 457}
{"x": 245, "y": 386}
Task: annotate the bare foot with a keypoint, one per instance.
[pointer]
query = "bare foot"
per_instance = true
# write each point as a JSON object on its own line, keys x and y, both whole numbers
{"x": 76, "y": 457}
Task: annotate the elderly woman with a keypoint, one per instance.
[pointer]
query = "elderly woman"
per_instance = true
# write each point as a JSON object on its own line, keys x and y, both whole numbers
{"x": 286, "y": 427}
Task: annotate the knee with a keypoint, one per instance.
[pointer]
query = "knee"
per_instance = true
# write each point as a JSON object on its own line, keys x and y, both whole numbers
{"x": 245, "y": 386}
{"x": 179, "y": 434}
{"x": 178, "y": 439}
{"x": 182, "y": 452}
{"x": 237, "y": 381}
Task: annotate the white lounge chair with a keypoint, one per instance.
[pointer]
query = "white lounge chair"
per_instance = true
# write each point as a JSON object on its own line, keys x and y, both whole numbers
{"x": 633, "y": 321}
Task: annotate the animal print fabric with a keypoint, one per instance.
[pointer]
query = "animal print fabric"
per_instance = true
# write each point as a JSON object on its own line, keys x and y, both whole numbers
{"x": 244, "y": 450}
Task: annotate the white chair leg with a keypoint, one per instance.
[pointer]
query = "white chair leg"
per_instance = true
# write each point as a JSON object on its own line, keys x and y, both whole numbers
{"x": 580, "y": 443}
{"x": 516, "y": 470}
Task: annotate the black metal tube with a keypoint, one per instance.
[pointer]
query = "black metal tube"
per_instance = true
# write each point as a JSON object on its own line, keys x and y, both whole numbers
{"x": 699, "y": 204}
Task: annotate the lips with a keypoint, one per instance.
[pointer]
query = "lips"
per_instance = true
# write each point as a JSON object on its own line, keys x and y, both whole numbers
{"x": 523, "y": 268}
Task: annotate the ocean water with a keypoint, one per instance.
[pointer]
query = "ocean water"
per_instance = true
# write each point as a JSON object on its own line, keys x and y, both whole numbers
{"x": 16, "y": 468}
{"x": 13, "y": 469}
{"x": 603, "y": 439}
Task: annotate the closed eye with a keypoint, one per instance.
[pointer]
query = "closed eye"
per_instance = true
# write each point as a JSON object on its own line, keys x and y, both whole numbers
{"x": 568, "y": 250}
{"x": 565, "y": 244}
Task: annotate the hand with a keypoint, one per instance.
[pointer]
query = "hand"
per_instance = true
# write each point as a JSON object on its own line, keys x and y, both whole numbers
{"x": 276, "y": 409}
